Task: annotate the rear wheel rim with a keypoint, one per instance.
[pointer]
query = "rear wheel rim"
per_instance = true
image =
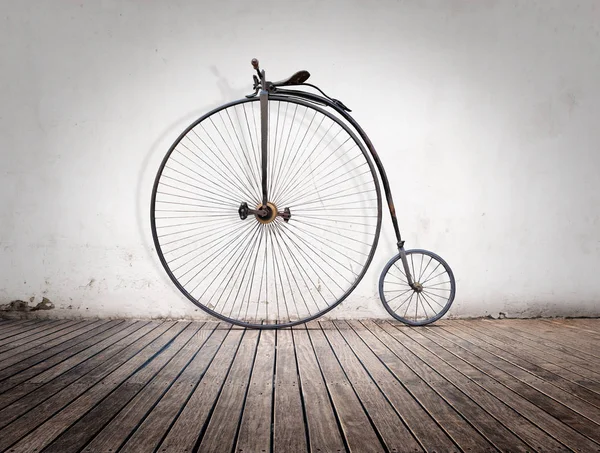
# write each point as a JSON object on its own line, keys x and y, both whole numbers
{"x": 421, "y": 307}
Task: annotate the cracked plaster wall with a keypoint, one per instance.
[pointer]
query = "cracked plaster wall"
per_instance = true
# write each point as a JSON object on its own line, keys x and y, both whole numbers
{"x": 485, "y": 115}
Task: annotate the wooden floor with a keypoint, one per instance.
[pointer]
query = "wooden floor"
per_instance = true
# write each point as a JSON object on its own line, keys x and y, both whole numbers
{"x": 360, "y": 386}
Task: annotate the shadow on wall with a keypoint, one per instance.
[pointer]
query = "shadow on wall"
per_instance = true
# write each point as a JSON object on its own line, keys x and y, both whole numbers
{"x": 149, "y": 166}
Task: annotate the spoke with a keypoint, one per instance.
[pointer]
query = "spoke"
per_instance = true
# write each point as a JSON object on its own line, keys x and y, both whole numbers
{"x": 438, "y": 275}
{"x": 438, "y": 289}
{"x": 210, "y": 208}
{"x": 423, "y": 271}
{"x": 215, "y": 246}
{"x": 224, "y": 178}
{"x": 337, "y": 234}
{"x": 408, "y": 306}
{"x": 338, "y": 216}
{"x": 286, "y": 160}
{"x": 247, "y": 170}
{"x": 300, "y": 270}
{"x": 320, "y": 226}
{"x": 433, "y": 300}
{"x": 219, "y": 229}
{"x": 438, "y": 284}
{"x": 241, "y": 261}
{"x": 408, "y": 299}
{"x": 203, "y": 227}
{"x": 434, "y": 269}
{"x": 302, "y": 166}
{"x": 286, "y": 182}
{"x": 309, "y": 246}
{"x": 246, "y": 267}
{"x": 251, "y": 281}
{"x": 303, "y": 253}
{"x": 256, "y": 151}
{"x": 248, "y": 173}
{"x": 220, "y": 157}
{"x": 276, "y": 266}
{"x": 330, "y": 241}
{"x": 272, "y": 154}
{"x": 317, "y": 175}
{"x": 220, "y": 267}
{"x": 398, "y": 295}
{"x": 198, "y": 188}
{"x": 428, "y": 304}
{"x": 285, "y": 269}
{"x": 290, "y": 165}
{"x": 284, "y": 153}
{"x": 223, "y": 161}
{"x": 327, "y": 219}
{"x": 335, "y": 189}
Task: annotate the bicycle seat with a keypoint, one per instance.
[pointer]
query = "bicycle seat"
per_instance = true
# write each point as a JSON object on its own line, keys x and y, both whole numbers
{"x": 296, "y": 79}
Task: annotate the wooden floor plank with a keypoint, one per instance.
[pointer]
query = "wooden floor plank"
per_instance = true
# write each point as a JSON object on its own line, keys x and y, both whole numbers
{"x": 188, "y": 427}
{"x": 496, "y": 421}
{"x": 323, "y": 431}
{"x": 459, "y": 385}
{"x": 439, "y": 413}
{"x": 289, "y": 431}
{"x": 539, "y": 358}
{"x": 385, "y": 416}
{"x": 571, "y": 394}
{"x": 429, "y": 433}
{"x": 356, "y": 426}
{"x": 46, "y": 382}
{"x": 591, "y": 325}
{"x": 41, "y": 404}
{"x": 145, "y": 386}
{"x": 569, "y": 337}
{"x": 32, "y": 329}
{"x": 505, "y": 412}
{"x": 578, "y": 327}
{"x": 40, "y": 337}
{"x": 255, "y": 426}
{"x": 558, "y": 357}
{"x": 557, "y": 420}
{"x": 220, "y": 434}
{"x": 159, "y": 418}
{"x": 19, "y": 327}
{"x": 553, "y": 343}
{"x": 46, "y": 341}
{"x": 41, "y": 359}
{"x": 47, "y": 431}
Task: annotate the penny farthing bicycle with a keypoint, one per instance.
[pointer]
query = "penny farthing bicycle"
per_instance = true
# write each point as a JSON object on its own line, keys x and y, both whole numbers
{"x": 266, "y": 213}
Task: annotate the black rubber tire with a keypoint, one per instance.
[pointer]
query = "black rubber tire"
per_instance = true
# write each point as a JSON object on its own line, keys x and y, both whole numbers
{"x": 438, "y": 314}
{"x": 277, "y": 323}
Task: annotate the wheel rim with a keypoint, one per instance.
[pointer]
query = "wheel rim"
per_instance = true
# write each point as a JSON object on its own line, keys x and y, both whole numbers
{"x": 435, "y": 285}
{"x": 266, "y": 271}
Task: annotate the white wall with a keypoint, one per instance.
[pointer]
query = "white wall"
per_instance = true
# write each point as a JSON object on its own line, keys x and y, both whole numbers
{"x": 486, "y": 115}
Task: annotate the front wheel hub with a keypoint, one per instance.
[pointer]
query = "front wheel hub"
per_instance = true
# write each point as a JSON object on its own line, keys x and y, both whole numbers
{"x": 269, "y": 216}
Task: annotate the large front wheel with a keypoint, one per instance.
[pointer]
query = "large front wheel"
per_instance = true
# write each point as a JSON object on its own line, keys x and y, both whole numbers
{"x": 276, "y": 265}
{"x": 430, "y": 295}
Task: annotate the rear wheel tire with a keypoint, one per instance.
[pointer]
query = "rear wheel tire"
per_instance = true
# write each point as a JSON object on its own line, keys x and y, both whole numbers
{"x": 417, "y": 308}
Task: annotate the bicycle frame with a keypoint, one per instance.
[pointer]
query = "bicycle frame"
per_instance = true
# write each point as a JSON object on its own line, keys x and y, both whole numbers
{"x": 311, "y": 97}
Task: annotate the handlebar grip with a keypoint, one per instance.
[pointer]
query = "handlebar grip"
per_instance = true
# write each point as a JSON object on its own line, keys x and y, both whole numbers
{"x": 254, "y": 63}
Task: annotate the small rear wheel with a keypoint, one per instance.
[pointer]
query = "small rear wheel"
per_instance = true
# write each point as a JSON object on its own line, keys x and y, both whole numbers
{"x": 431, "y": 295}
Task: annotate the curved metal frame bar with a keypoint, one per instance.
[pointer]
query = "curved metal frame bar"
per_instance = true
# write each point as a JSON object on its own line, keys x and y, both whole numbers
{"x": 344, "y": 114}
